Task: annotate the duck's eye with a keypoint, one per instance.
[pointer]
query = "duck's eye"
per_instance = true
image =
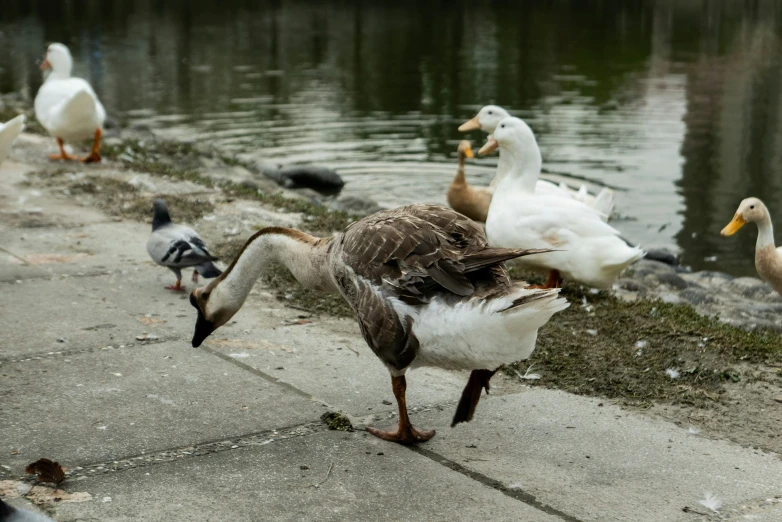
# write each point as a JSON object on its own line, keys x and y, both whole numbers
{"x": 503, "y": 125}
{"x": 752, "y": 206}
{"x": 491, "y": 112}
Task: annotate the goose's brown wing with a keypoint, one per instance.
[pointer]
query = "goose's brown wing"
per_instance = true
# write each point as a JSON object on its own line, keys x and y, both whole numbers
{"x": 414, "y": 254}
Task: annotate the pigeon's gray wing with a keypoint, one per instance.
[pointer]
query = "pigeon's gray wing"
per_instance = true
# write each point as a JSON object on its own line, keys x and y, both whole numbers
{"x": 177, "y": 246}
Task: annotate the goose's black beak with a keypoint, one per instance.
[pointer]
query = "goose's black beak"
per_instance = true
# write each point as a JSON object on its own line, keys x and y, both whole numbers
{"x": 203, "y": 327}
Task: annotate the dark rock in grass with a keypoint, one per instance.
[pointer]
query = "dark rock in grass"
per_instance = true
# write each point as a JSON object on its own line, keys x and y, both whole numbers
{"x": 696, "y": 296}
{"x": 631, "y": 284}
{"x": 672, "y": 280}
{"x": 663, "y": 255}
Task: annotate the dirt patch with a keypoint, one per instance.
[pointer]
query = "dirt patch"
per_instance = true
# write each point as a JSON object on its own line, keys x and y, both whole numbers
{"x": 122, "y": 199}
{"x": 336, "y": 421}
{"x": 184, "y": 161}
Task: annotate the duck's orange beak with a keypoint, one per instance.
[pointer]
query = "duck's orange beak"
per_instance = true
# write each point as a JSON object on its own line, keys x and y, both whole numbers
{"x": 45, "y": 64}
{"x": 490, "y": 146}
{"x": 468, "y": 152}
{"x": 473, "y": 124}
{"x": 736, "y": 223}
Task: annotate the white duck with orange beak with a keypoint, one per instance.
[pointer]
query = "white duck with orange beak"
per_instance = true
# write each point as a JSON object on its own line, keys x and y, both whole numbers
{"x": 768, "y": 258}
{"x": 67, "y": 107}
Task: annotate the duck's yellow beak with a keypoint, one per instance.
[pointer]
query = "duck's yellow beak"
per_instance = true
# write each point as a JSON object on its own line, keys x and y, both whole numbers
{"x": 468, "y": 152}
{"x": 473, "y": 124}
{"x": 736, "y": 223}
{"x": 490, "y": 146}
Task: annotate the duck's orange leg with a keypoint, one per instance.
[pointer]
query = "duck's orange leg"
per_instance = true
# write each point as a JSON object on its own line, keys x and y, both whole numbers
{"x": 62, "y": 155}
{"x": 554, "y": 281}
{"x": 405, "y": 433}
{"x": 94, "y": 156}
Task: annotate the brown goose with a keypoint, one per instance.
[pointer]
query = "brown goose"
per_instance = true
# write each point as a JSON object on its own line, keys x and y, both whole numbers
{"x": 464, "y": 198}
{"x": 425, "y": 287}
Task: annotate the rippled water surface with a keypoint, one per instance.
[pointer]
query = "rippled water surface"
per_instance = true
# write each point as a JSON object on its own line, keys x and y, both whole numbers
{"x": 675, "y": 104}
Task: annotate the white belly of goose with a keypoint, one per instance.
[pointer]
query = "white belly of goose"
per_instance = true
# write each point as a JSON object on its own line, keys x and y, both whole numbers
{"x": 477, "y": 334}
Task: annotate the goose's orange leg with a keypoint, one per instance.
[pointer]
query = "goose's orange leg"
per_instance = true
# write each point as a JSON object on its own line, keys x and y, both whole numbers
{"x": 94, "y": 156}
{"x": 405, "y": 433}
{"x": 62, "y": 155}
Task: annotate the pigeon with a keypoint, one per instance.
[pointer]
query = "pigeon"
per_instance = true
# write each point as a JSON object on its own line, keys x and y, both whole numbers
{"x": 12, "y": 514}
{"x": 176, "y": 247}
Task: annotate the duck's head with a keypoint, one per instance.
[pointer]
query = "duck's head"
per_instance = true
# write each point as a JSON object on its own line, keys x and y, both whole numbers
{"x": 464, "y": 149}
{"x": 511, "y": 133}
{"x": 58, "y": 59}
{"x": 751, "y": 209}
{"x": 215, "y": 307}
{"x": 486, "y": 119}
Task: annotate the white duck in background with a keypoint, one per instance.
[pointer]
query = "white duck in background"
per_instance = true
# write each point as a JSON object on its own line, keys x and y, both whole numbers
{"x": 67, "y": 107}
{"x": 768, "y": 258}
{"x": 487, "y": 120}
{"x": 176, "y": 246}
{"x": 425, "y": 286}
{"x": 589, "y": 250}
{"x": 8, "y": 133}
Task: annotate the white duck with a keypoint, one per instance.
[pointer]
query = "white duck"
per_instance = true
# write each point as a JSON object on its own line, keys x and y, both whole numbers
{"x": 488, "y": 118}
{"x": 8, "y": 133}
{"x": 588, "y": 249}
{"x": 67, "y": 107}
{"x": 768, "y": 258}
{"x": 426, "y": 288}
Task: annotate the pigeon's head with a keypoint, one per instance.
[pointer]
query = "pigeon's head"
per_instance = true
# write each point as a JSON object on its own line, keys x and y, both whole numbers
{"x": 487, "y": 119}
{"x": 159, "y": 214}
{"x": 215, "y": 306}
{"x": 58, "y": 59}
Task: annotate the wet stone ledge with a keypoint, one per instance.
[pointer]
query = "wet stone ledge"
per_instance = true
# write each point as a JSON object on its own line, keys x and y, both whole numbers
{"x": 745, "y": 302}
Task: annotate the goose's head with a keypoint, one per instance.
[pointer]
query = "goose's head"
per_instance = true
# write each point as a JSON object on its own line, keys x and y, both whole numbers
{"x": 215, "y": 307}
{"x": 511, "y": 133}
{"x": 58, "y": 59}
{"x": 487, "y": 119}
{"x": 751, "y": 209}
{"x": 465, "y": 149}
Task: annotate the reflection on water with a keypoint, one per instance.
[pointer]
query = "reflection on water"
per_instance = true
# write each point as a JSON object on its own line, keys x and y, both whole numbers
{"x": 674, "y": 103}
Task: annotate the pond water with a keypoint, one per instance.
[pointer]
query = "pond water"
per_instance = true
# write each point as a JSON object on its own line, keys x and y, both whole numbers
{"x": 676, "y": 104}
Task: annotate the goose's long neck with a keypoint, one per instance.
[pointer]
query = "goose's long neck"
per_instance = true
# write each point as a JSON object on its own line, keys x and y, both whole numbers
{"x": 519, "y": 167}
{"x": 459, "y": 179}
{"x": 765, "y": 233}
{"x": 305, "y": 256}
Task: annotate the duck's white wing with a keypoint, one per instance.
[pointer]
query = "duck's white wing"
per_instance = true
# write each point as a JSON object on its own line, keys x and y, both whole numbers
{"x": 602, "y": 203}
{"x": 8, "y": 133}
{"x": 177, "y": 246}
{"x": 589, "y": 249}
